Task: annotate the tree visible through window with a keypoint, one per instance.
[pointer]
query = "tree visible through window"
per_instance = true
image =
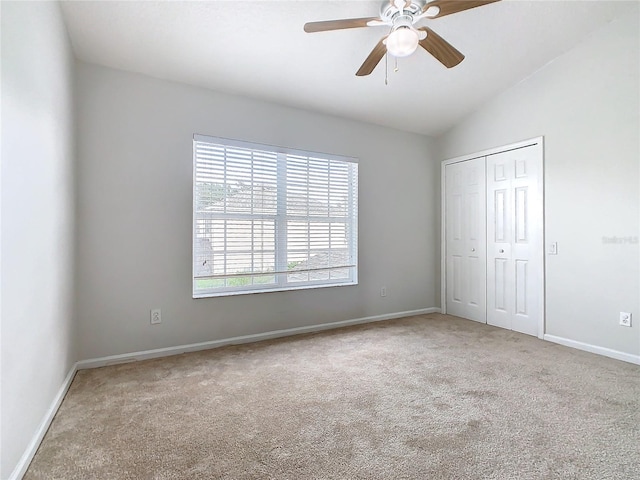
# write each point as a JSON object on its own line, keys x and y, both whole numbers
{"x": 267, "y": 218}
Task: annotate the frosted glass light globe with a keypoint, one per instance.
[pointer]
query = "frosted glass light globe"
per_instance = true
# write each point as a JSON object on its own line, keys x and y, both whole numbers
{"x": 402, "y": 42}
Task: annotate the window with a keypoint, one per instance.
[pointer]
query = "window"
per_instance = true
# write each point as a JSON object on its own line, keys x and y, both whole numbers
{"x": 269, "y": 218}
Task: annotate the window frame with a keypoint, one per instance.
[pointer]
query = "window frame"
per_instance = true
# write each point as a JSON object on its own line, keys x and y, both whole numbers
{"x": 281, "y": 219}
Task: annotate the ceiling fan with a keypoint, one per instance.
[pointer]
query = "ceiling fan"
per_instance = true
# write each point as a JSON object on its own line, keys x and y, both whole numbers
{"x": 404, "y": 37}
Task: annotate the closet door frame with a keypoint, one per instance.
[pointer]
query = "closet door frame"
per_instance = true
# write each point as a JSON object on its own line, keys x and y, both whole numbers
{"x": 539, "y": 143}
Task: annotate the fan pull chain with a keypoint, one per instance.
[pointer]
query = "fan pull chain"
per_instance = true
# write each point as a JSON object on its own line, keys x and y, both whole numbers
{"x": 386, "y": 69}
{"x": 396, "y": 67}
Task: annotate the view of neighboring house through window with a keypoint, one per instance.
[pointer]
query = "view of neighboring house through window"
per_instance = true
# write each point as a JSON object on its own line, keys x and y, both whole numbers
{"x": 269, "y": 218}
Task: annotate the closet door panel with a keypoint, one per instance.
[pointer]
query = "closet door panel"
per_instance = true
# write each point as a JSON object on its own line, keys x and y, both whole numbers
{"x": 499, "y": 229}
{"x": 514, "y": 223}
{"x": 466, "y": 239}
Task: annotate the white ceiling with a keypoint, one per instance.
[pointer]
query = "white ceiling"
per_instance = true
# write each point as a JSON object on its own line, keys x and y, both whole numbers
{"x": 259, "y": 49}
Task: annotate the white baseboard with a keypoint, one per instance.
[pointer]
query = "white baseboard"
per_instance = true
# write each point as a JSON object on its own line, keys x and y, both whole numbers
{"x": 32, "y": 448}
{"x": 194, "y": 347}
{"x": 607, "y": 352}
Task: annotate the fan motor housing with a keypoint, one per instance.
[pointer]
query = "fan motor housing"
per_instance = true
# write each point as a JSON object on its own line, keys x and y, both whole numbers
{"x": 388, "y": 11}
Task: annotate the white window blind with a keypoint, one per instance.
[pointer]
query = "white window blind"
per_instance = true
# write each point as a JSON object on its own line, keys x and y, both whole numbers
{"x": 268, "y": 218}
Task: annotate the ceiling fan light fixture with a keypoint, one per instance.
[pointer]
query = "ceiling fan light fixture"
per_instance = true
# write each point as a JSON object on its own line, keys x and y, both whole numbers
{"x": 402, "y": 42}
{"x": 403, "y": 39}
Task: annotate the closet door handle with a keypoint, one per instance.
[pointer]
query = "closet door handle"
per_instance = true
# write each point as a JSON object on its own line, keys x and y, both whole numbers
{"x": 501, "y": 250}
{"x": 473, "y": 249}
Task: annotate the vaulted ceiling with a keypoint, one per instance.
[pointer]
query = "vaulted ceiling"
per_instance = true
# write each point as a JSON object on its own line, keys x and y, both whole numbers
{"x": 258, "y": 49}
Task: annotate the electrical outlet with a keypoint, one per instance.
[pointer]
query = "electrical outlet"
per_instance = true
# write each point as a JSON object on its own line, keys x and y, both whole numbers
{"x": 383, "y": 291}
{"x": 156, "y": 316}
{"x": 625, "y": 319}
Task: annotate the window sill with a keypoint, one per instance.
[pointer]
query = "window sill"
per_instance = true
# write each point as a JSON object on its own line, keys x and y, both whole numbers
{"x": 230, "y": 293}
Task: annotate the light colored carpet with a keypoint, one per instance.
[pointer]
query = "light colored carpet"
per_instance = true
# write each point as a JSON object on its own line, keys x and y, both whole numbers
{"x": 428, "y": 397}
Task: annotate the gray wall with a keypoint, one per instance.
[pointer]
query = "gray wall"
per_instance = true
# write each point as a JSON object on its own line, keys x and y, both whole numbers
{"x": 134, "y": 194}
{"x": 586, "y": 104}
{"x": 37, "y": 219}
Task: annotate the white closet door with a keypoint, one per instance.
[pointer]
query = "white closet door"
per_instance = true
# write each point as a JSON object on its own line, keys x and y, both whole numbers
{"x": 465, "y": 224}
{"x": 515, "y": 240}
